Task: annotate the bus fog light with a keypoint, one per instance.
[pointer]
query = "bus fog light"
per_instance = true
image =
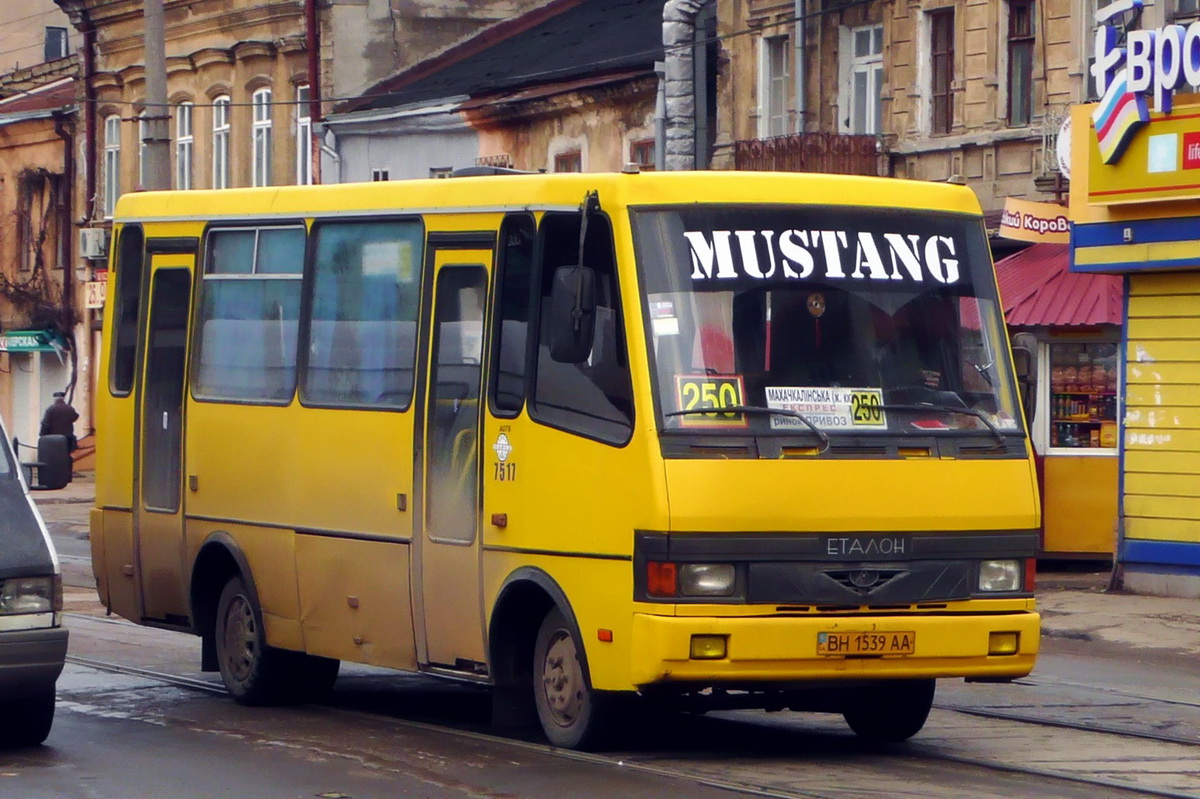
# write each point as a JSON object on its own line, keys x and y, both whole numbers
{"x": 706, "y": 579}
{"x": 708, "y": 647}
{"x": 1000, "y": 575}
{"x": 1003, "y": 643}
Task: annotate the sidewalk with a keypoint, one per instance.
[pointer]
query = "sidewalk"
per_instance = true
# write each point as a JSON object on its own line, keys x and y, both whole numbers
{"x": 1073, "y": 605}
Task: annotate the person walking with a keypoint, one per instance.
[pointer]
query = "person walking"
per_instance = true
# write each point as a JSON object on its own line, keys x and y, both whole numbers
{"x": 59, "y": 420}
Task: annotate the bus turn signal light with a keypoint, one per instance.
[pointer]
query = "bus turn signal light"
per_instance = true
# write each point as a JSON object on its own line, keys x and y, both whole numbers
{"x": 661, "y": 579}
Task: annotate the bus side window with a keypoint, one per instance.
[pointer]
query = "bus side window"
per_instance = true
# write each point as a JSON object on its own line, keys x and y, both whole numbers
{"x": 593, "y": 397}
{"x": 362, "y": 337}
{"x": 511, "y": 319}
{"x": 130, "y": 256}
{"x": 249, "y": 314}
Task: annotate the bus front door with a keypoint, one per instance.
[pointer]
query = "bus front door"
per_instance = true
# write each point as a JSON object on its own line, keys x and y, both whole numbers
{"x": 158, "y": 522}
{"x": 447, "y": 542}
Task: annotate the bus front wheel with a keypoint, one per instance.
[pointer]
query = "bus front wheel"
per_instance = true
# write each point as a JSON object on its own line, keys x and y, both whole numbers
{"x": 570, "y": 712}
{"x": 890, "y": 712}
{"x": 253, "y": 673}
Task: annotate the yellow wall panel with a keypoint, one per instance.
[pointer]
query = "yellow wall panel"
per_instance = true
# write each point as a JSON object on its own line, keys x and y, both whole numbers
{"x": 1156, "y": 529}
{"x": 1181, "y": 305}
{"x": 1157, "y": 328}
{"x": 1165, "y": 485}
{"x": 1159, "y": 395}
{"x": 1162, "y": 507}
{"x": 1165, "y": 283}
{"x": 1080, "y": 503}
{"x": 1151, "y": 461}
{"x": 1163, "y": 372}
{"x": 1157, "y": 417}
{"x": 1162, "y": 350}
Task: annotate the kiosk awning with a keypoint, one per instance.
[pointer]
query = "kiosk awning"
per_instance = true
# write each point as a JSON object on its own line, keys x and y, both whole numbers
{"x": 1038, "y": 289}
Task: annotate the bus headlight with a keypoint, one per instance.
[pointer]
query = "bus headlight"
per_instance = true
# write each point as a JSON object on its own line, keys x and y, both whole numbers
{"x": 1000, "y": 575}
{"x": 706, "y": 579}
{"x": 30, "y": 595}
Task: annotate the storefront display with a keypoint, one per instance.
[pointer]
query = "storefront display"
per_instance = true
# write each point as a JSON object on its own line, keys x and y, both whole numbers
{"x": 1083, "y": 399}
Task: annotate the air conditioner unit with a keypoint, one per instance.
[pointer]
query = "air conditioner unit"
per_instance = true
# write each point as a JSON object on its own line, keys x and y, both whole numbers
{"x": 93, "y": 242}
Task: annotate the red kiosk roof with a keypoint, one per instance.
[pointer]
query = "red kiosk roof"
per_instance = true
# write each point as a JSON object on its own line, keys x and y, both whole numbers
{"x": 1038, "y": 289}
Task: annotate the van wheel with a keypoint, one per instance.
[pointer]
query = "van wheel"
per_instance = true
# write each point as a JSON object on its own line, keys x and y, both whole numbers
{"x": 253, "y": 673}
{"x": 570, "y": 712}
{"x": 890, "y": 712}
{"x": 27, "y": 721}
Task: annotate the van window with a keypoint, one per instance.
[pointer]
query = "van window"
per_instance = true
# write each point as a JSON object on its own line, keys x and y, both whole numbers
{"x": 594, "y": 397}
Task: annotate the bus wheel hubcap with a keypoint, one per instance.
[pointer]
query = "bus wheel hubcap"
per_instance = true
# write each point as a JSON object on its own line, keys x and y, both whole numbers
{"x": 562, "y": 680}
{"x": 239, "y": 638}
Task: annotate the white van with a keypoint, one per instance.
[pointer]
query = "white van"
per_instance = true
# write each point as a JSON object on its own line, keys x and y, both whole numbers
{"x": 33, "y": 643}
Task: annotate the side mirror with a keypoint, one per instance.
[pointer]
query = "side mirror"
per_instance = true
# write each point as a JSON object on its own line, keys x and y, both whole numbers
{"x": 572, "y": 323}
{"x": 1024, "y": 363}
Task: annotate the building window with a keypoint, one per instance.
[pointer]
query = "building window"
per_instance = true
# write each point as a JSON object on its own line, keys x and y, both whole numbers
{"x": 440, "y": 171}
{"x": 864, "y": 80}
{"x": 381, "y": 174}
{"x": 570, "y": 161}
{"x": 1089, "y": 43}
{"x": 303, "y": 136}
{"x": 261, "y": 165}
{"x": 56, "y": 43}
{"x": 641, "y": 152}
{"x": 112, "y": 163}
{"x": 184, "y": 145}
{"x": 941, "y": 97}
{"x": 775, "y": 86}
{"x": 220, "y": 143}
{"x": 1020, "y": 62}
{"x": 1183, "y": 10}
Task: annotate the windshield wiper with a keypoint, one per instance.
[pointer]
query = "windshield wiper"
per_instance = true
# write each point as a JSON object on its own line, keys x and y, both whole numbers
{"x": 759, "y": 410}
{"x": 935, "y": 406}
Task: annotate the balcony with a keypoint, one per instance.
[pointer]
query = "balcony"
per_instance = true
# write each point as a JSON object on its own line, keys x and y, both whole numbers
{"x": 830, "y": 153}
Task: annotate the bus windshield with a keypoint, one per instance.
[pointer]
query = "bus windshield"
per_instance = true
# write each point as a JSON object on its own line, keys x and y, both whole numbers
{"x": 824, "y": 322}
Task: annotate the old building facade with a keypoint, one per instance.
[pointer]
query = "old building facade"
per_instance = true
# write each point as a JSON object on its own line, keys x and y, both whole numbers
{"x": 41, "y": 299}
{"x": 970, "y": 90}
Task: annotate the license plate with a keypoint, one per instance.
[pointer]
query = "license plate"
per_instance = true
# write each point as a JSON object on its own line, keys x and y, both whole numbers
{"x": 848, "y": 644}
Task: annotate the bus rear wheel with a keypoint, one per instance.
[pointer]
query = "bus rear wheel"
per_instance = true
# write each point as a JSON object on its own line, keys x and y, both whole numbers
{"x": 892, "y": 711}
{"x": 571, "y": 714}
{"x": 253, "y": 673}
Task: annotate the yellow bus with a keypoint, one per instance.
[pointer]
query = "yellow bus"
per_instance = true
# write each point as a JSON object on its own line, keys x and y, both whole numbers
{"x": 712, "y": 440}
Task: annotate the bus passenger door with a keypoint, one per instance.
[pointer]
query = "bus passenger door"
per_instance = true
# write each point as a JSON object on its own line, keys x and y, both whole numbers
{"x": 158, "y": 497}
{"x": 448, "y": 581}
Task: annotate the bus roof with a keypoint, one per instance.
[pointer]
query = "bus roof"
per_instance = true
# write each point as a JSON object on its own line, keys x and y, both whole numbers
{"x": 545, "y": 191}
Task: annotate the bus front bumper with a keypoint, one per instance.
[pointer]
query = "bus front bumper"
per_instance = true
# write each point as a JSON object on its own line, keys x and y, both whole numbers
{"x": 785, "y": 649}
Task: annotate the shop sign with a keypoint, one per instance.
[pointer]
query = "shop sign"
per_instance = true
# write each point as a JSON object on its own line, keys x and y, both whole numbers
{"x": 1036, "y": 222}
{"x": 95, "y": 292}
{"x": 30, "y": 341}
{"x": 1152, "y": 63}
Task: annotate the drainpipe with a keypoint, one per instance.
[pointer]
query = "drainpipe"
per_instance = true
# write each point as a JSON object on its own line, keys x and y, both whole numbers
{"x": 89, "y": 112}
{"x": 679, "y": 39}
{"x": 65, "y": 214}
{"x": 801, "y": 60}
{"x": 312, "y": 39}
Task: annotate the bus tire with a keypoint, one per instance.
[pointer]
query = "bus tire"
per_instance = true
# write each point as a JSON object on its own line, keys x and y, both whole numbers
{"x": 27, "y": 720}
{"x": 253, "y": 673}
{"x": 571, "y": 714}
{"x": 312, "y": 676}
{"x": 892, "y": 711}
